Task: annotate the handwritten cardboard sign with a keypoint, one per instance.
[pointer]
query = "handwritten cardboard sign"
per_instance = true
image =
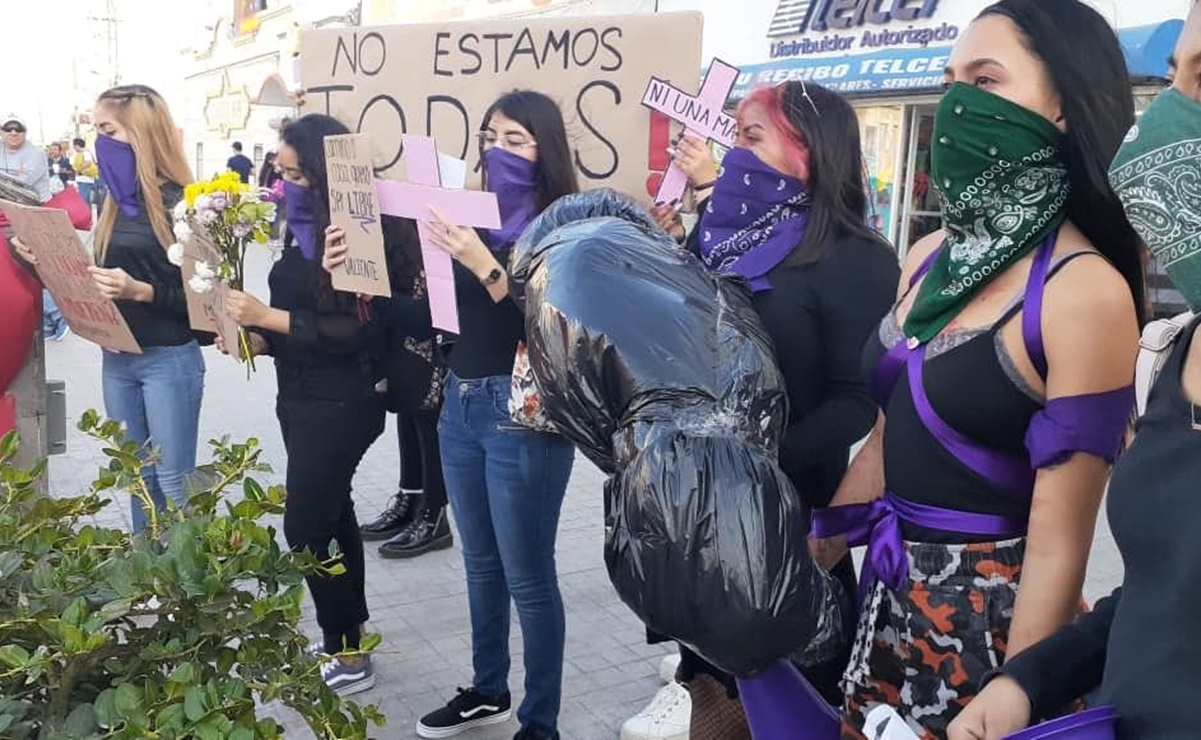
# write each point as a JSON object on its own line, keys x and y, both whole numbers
{"x": 702, "y": 115}
{"x": 204, "y": 310}
{"x": 354, "y": 206}
{"x": 438, "y": 79}
{"x": 63, "y": 267}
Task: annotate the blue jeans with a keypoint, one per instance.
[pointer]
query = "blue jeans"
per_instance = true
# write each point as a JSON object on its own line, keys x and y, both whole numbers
{"x": 51, "y": 316}
{"x": 85, "y": 191}
{"x": 156, "y": 395}
{"x": 506, "y": 486}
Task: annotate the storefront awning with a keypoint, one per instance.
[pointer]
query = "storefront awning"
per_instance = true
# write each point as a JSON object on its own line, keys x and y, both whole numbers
{"x": 1147, "y": 48}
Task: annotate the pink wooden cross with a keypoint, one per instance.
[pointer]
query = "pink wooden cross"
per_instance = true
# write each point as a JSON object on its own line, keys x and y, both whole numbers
{"x": 413, "y": 200}
{"x": 701, "y": 116}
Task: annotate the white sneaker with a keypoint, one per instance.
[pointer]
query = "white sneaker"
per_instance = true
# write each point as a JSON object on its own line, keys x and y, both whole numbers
{"x": 667, "y": 669}
{"x": 665, "y": 718}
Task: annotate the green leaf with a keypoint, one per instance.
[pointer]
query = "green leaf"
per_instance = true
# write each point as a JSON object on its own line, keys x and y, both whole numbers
{"x": 9, "y": 445}
{"x": 14, "y": 656}
{"x": 128, "y": 700}
{"x": 185, "y": 674}
{"x": 242, "y": 733}
{"x": 81, "y": 722}
{"x": 193, "y": 703}
{"x": 370, "y": 642}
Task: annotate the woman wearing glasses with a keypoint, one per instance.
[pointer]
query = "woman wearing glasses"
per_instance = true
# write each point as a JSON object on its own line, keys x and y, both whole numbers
{"x": 787, "y": 215}
{"x": 155, "y": 394}
{"x": 505, "y": 482}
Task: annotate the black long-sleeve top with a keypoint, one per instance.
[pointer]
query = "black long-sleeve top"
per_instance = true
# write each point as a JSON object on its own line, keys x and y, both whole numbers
{"x": 134, "y": 247}
{"x": 819, "y": 317}
{"x": 1139, "y": 645}
{"x": 488, "y": 330}
{"x": 332, "y": 349}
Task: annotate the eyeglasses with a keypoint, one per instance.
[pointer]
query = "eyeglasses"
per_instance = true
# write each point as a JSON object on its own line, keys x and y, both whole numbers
{"x": 510, "y": 142}
{"x": 13, "y": 129}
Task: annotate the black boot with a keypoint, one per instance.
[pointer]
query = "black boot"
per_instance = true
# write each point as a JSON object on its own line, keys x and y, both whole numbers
{"x": 402, "y": 510}
{"x": 430, "y": 531}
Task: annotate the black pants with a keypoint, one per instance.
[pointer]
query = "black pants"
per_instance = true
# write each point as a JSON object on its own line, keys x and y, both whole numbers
{"x": 420, "y": 456}
{"x": 325, "y": 440}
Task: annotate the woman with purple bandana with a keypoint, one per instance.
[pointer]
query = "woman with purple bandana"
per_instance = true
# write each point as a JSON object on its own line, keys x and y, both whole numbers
{"x": 505, "y": 482}
{"x": 1004, "y": 371}
{"x": 787, "y": 216}
{"x": 155, "y": 394}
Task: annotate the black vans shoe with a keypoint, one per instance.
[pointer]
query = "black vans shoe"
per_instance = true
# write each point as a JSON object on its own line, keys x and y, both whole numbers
{"x": 468, "y": 710}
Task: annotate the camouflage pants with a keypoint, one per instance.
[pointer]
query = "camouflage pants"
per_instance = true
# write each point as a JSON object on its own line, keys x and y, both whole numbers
{"x": 925, "y": 649}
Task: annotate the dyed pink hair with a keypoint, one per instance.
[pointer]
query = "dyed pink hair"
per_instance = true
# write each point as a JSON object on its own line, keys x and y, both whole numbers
{"x": 771, "y": 99}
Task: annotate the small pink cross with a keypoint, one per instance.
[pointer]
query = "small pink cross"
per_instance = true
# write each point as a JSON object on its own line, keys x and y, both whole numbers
{"x": 413, "y": 200}
{"x": 701, "y": 116}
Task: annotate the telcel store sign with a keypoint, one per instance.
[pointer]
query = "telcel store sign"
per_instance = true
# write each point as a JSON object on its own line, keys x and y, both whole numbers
{"x": 856, "y": 25}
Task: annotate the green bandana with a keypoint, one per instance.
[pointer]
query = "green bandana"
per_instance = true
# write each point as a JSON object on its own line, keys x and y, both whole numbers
{"x": 1003, "y": 187}
{"x": 1157, "y": 174}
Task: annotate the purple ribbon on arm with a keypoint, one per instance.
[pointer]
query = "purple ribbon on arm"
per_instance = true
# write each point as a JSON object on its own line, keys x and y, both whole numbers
{"x": 1093, "y": 423}
{"x": 878, "y": 525}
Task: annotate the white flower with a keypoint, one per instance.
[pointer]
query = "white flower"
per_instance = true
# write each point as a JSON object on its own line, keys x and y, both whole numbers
{"x": 207, "y": 217}
{"x": 181, "y": 210}
{"x": 175, "y": 253}
{"x": 204, "y": 271}
{"x": 199, "y": 284}
{"x": 183, "y": 231}
{"x": 250, "y": 196}
{"x": 201, "y": 204}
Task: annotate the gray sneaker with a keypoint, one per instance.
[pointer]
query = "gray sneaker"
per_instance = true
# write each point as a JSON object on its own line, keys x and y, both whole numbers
{"x": 345, "y": 679}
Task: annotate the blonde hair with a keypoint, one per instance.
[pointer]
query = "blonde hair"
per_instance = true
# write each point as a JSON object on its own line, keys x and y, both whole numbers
{"x": 156, "y": 143}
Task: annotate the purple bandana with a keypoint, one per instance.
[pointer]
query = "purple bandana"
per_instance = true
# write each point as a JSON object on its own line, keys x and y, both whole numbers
{"x": 514, "y": 180}
{"x": 119, "y": 167}
{"x": 756, "y": 216}
{"x": 301, "y": 219}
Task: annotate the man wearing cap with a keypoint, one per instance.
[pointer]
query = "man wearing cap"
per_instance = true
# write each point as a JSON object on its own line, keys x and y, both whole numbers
{"x": 21, "y": 160}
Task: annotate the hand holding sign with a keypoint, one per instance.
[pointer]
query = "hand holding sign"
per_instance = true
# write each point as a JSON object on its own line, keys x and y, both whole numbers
{"x": 65, "y": 268}
{"x": 702, "y": 116}
{"x": 353, "y": 205}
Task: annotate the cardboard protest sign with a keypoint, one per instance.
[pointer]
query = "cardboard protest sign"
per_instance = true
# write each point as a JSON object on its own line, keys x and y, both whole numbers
{"x": 438, "y": 79}
{"x": 354, "y": 207}
{"x": 465, "y": 208}
{"x": 203, "y": 308}
{"x": 63, "y": 267}
{"x": 701, "y": 115}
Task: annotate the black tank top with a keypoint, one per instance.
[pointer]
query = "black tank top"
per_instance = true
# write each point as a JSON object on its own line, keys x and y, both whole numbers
{"x": 972, "y": 385}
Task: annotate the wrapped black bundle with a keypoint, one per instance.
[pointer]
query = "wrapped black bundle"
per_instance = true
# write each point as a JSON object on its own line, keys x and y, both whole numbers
{"x": 663, "y": 375}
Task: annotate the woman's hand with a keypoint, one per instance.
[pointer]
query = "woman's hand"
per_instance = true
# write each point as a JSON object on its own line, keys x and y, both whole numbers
{"x": 667, "y": 216}
{"x": 23, "y": 251}
{"x": 258, "y": 344}
{"x": 692, "y": 156}
{"x": 335, "y": 248}
{"x": 461, "y": 243}
{"x": 245, "y": 309}
{"x": 116, "y": 285}
{"x": 1001, "y": 709}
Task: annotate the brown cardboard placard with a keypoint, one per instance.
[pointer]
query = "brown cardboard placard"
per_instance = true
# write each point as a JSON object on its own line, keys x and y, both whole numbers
{"x": 354, "y": 206}
{"x": 63, "y": 264}
{"x": 204, "y": 309}
{"x": 440, "y": 78}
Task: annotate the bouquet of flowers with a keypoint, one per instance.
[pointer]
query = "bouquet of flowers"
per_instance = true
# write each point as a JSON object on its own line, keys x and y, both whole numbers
{"x": 232, "y": 215}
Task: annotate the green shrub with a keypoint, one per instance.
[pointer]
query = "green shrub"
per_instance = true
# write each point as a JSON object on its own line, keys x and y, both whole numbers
{"x": 187, "y": 631}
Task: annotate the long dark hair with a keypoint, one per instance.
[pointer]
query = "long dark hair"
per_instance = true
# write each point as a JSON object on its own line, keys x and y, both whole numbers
{"x": 825, "y": 124}
{"x": 306, "y": 135}
{"x": 539, "y": 115}
{"x": 1093, "y": 84}
{"x": 267, "y": 171}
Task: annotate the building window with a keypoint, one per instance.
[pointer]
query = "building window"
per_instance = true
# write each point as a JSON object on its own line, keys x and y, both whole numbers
{"x": 199, "y": 160}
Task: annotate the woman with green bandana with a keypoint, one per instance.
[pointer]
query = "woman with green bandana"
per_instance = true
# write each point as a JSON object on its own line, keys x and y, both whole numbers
{"x": 1004, "y": 371}
{"x": 1139, "y": 646}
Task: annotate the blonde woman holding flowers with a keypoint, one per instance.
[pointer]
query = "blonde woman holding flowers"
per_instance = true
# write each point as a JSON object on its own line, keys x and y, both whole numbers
{"x": 155, "y": 394}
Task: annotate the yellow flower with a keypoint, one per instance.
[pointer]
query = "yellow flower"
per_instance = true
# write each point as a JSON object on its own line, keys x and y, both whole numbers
{"x": 191, "y": 191}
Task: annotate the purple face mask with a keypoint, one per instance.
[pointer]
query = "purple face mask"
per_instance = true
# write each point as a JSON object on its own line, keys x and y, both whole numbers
{"x": 301, "y": 219}
{"x": 118, "y": 166}
{"x": 756, "y": 216}
{"x": 514, "y": 180}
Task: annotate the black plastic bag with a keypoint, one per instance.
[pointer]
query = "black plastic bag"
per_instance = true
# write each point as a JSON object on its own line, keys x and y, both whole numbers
{"x": 664, "y": 377}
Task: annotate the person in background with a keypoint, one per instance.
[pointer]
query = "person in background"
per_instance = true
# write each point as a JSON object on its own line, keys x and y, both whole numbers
{"x": 84, "y": 165}
{"x": 327, "y": 364}
{"x": 240, "y": 163}
{"x": 820, "y": 279}
{"x": 1004, "y": 371}
{"x": 271, "y": 181}
{"x": 59, "y": 165}
{"x": 505, "y": 481}
{"x": 21, "y": 160}
{"x": 155, "y": 394}
{"x": 1135, "y": 651}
